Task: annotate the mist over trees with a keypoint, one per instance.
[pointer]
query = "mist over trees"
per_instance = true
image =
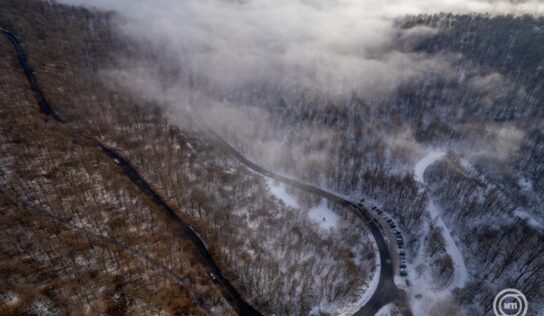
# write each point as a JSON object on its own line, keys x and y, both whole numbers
{"x": 465, "y": 88}
{"x": 485, "y": 109}
{"x": 281, "y": 260}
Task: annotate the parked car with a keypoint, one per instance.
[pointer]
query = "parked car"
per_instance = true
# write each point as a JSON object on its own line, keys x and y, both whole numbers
{"x": 212, "y": 276}
{"x": 397, "y": 233}
{"x": 403, "y": 272}
{"x": 402, "y": 266}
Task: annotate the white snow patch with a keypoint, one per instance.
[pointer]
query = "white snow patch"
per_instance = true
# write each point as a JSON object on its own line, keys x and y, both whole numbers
{"x": 530, "y": 218}
{"x": 526, "y": 184}
{"x": 321, "y": 214}
{"x": 400, "y": 281}
{"x": 279, "y": 191}
{"x": 429, "y": 159}
{"x": 190, "y": 147}
{"x": 387, "y": 310}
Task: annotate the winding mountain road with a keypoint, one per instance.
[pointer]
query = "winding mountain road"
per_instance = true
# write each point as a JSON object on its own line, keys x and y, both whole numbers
{"x": 386, "y": 291}
{"x": 460, "y": 273}
{"x": 229, "y": 292}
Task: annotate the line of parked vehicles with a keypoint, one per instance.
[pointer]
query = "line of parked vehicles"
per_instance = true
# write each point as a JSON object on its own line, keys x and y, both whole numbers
{"x": 398, "y": 237}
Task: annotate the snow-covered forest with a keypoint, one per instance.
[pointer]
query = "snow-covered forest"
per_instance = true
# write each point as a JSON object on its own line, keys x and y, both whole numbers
{"x": 285, "y": 259}
{"x": 484, "y": 109}
{"x": 444, "y": 134}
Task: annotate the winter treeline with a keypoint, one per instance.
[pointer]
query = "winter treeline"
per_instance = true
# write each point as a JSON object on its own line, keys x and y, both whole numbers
{"x": 502, "y": 250}
{"x": 483, "y": 103}
{"x": 77, "y": 236}
{"x": 281, "y": 261}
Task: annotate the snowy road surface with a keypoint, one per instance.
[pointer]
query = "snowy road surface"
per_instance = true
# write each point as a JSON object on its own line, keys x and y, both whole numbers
{"x": 460, "y": 276}
{"x": 420, "y": 167}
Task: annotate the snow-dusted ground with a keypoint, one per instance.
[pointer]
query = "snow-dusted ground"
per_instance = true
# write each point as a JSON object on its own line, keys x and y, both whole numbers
{"x": 322, "y": 215}
{"x": 366, "y": 291}
{"x": 387, "y": 310}
{"x": 279, "y": 191}
{"x": 460, "y": 275}
{"x": 429, "y": 159}
{"x": 532, "y": 216}
{"x": 532, "y": 220}
{"x": 420, "y": 283}
{"x": 329, "y": 220}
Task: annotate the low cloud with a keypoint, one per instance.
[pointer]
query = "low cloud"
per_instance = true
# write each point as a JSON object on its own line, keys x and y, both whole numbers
{"x": 218, "y": 51}
{"x": 333, "y": 47}
{"x": 505, "y": 141}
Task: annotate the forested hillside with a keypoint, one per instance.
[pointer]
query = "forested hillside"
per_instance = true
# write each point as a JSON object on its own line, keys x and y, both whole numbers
{"x": 483, "y": 105}
{"x": 450, "y": 146}
{"x": 280, "y": 259}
